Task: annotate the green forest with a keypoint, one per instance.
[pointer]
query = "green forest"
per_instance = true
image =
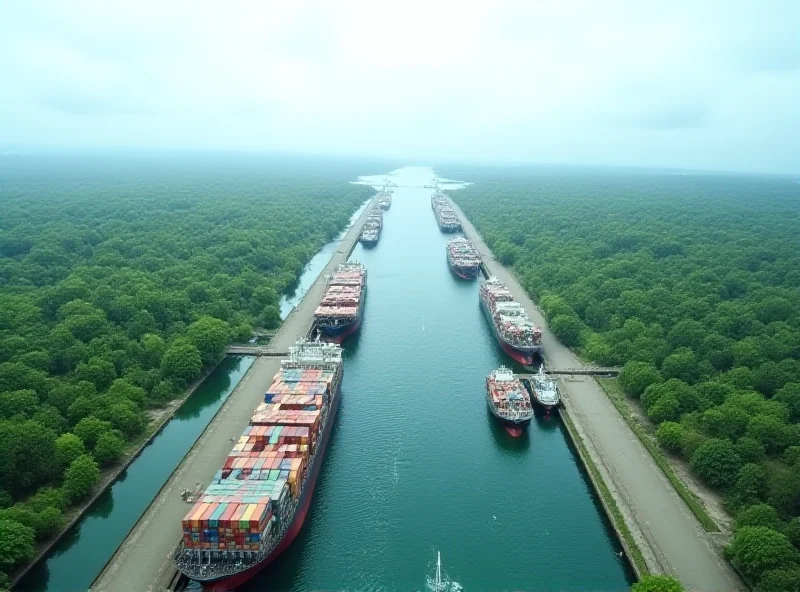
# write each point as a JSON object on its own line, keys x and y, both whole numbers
{"x": 691, "y": 282}
{"x": 121, "y": 280}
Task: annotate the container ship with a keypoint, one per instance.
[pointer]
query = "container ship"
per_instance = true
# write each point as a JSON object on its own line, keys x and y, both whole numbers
{"x": 445, "y": 215}
{"x": 545, "y": 391}
{"x": 340, "y": 311}
{"x": 511, "y": 325}
{"x": 372, "y": 228}
{"x": 509, "y": 401}
{"x": 385, "y": 198}
{"x": 258, "y": 500}
{"x": 463, "y": 258}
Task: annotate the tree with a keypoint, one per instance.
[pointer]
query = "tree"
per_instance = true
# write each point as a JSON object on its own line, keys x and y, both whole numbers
{"x": 568, "y": 329}
{"x": 682, "y": 364}
{"x": 667, "y": 408}
{"x": 780, "y": 580}
{"x": 758, "y": 549}
{"x": 670, "y": 435}
{"x": 751, "y": 485}
{"x": 270, "y": 317}
{"x": 68, "y": 448}
{"x": 89, "y": 430}
{"x": 181, "y": 361}
{"x": 80, "y": 477}
{"x": 635, "y": 377}
{"x": 789, "y": 395}
{"x": 109, "y": 448}
{"x": 759, "y": 515}
{"x": 657, "y": 583}
{"x": 769, "y": 431}
{"x": 749, "y": 450}
{"x": 27, "y": 455}
{"x": 99, "y": 372}
{"x": 713, "y": 393}
{"x": 717, "y": 463}
{"x": 16, "y": 544}
{"x": 725, "y": 421}
{"x": 23, "y": 403}
{"x": 210, "y": 336}
{"x": 792, "y": 531}
{"x": 152, "y": 350}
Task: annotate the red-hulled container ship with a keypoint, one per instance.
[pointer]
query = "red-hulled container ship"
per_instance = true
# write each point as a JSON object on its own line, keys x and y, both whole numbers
{"x": 257, "y": 502}
{"x": 342, "y": 307}
{"x": 509, "y": 401}
{"x": 463, "y": 258}
{"x": 511, "y": 325}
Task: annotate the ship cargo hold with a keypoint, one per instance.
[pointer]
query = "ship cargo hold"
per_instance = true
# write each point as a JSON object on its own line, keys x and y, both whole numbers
{"x": 463, "y": 258}
{"x": 511, "y": 325}
{"x": 340, "y": 312}
{"x": 446, "y": 217}
{"x": 508, "y": 401}
{"x": 257, "y": 502}
{"x": 545, "y": 391}
{"x": 373, "y": 226}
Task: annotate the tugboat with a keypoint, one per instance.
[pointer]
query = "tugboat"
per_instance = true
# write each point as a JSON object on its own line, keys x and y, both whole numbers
{"x": 545, "y": 391}
{"x": 509, "y": 401}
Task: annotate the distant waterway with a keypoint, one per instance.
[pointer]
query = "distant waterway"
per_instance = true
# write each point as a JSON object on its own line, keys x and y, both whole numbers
{"x": 418, "y": 465}
{"x": 78, "y": 557}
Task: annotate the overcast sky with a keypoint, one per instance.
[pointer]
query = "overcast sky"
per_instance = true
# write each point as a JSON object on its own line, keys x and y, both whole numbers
{"x": 700, "y": 84}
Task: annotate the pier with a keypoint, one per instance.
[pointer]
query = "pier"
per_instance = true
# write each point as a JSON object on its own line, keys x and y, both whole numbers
{"x": 144, "y": 560}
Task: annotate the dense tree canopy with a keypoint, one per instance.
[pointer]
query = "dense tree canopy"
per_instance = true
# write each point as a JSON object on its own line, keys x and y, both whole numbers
{"x": 692, "y": 284}
{"x": 121, "y": 279}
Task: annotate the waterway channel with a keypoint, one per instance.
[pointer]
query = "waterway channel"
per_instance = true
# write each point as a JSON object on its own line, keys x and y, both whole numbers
{"x": 78, "y": 557}
{"x": 416, "y": 463}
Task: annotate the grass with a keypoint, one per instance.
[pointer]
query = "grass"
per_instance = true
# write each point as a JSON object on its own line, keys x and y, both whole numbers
{"x": 617, "y": 397}
{"x": 608, "y": 499}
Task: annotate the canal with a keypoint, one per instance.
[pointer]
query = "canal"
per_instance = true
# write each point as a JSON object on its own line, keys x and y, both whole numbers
{"x": 82, "y": 552}
{"x": 418, "y": 465}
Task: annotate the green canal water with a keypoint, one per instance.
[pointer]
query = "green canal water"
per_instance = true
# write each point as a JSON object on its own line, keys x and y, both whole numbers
{"x": 416, "y": 463}
{"x": 80, "y": 555}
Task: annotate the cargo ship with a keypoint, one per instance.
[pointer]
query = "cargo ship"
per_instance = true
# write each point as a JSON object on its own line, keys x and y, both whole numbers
{"x": 545, "y": 391}
{"x": 339, "y": 313}
{"x": 385, "y": 198}
{"x": 446, "y": 217}
{"x": 371, "y": 231}
{"x": 511, "y": 325}
{"x": 508, "y": 401}
{"x": 257, "y": 502}
{"x": 463, "y": 258}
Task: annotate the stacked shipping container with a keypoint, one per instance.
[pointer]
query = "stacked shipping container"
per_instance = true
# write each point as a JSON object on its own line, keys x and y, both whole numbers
{"x": 266, "y": 466}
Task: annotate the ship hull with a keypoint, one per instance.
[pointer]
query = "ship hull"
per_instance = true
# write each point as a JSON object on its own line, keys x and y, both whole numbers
{"x": 232, "y": 582}
{"x": 465, "y": 273}
{"x": 515, "y": 428}
{"x": 370, "y": 242}
{"x": 523, "y": 356}
{"x": 341, "y": 332}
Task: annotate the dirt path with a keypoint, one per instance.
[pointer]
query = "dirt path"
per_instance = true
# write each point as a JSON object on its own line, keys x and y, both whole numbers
{"x": 669, "y": 536}
{"x": 144, "y": 560}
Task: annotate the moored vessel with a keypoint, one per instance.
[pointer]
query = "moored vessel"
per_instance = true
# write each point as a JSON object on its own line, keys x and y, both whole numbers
{"x": 373, "y": 226}
{"x": 509, "y": 401}
{"x": 385, "y": 198}
{"x": 511, "y": 325}
{"x": 340, "y": 312}
{"x": 463, "y": 258}
{"x": 545, "y": 390}
{"x": 257, "y": 502}
{"x": 446, "y": 217}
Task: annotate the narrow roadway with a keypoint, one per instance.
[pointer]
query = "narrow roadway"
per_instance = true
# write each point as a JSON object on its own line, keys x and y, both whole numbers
{"x": 144, "y": 560}
{"x": 668, "y": 534}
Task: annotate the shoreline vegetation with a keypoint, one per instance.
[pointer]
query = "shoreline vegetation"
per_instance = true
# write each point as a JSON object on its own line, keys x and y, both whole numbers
{"x": 121, "y": 283}
{"x": 690, "y": 283}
